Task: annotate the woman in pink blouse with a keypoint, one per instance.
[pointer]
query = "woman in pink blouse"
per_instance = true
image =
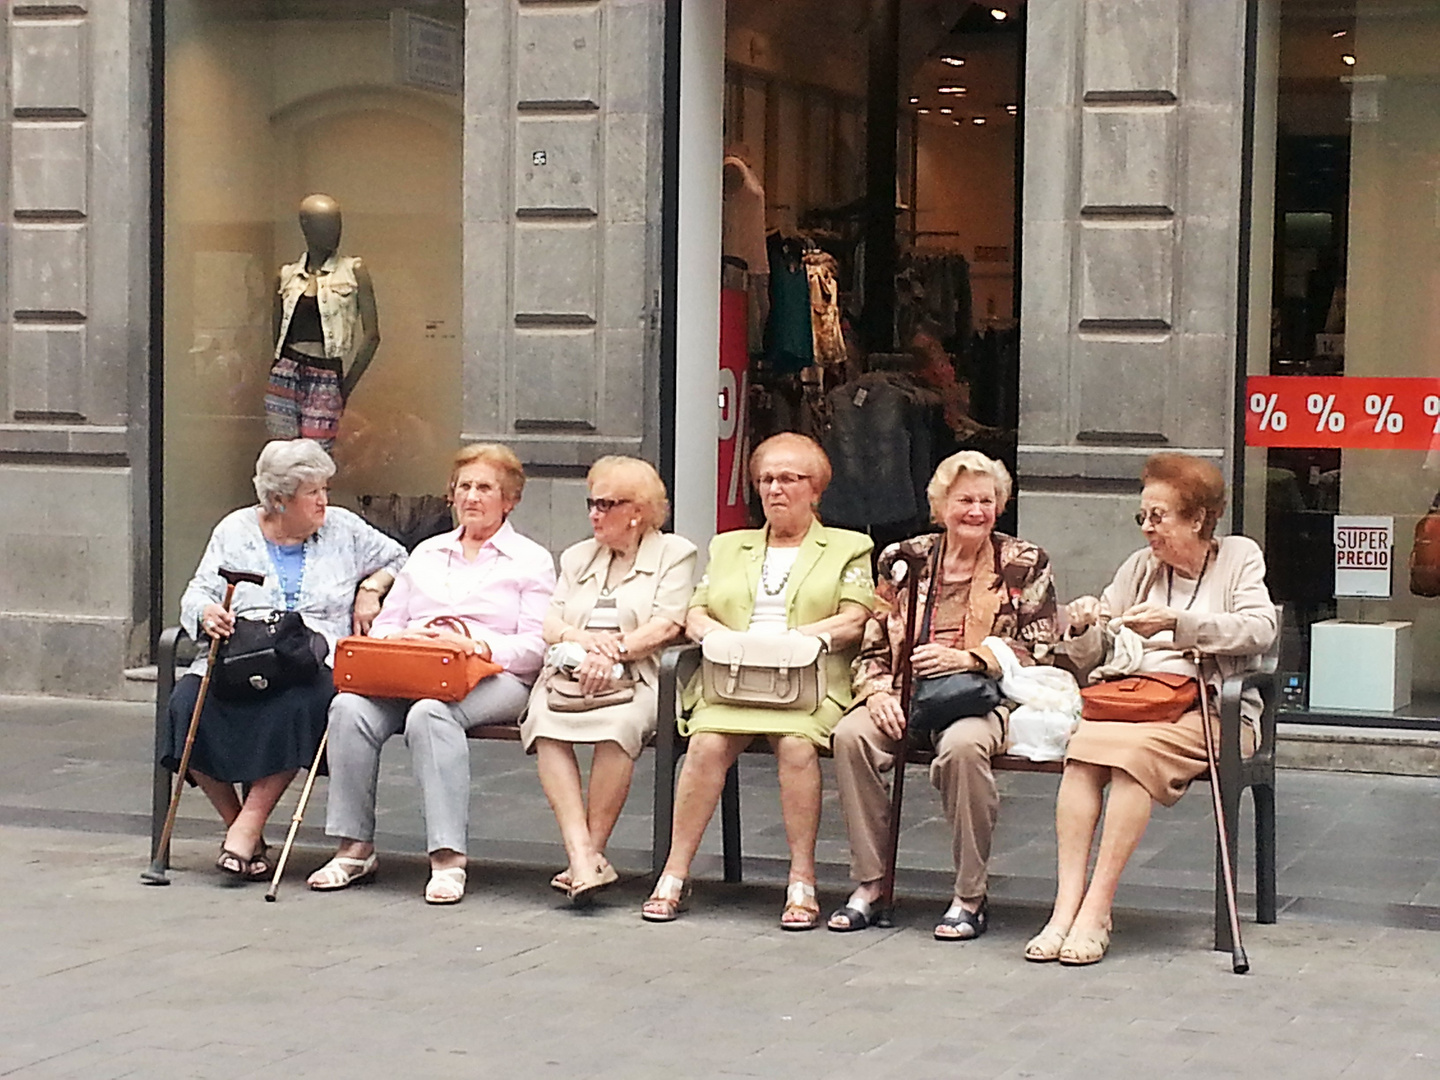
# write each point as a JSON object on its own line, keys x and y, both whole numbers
{"x": 499, "y": 583}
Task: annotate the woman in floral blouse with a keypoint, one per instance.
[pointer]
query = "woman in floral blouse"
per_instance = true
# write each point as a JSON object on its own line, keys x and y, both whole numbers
{"x": 990, "y": 585}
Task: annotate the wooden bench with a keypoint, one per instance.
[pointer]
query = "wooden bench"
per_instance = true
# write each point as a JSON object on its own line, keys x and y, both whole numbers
{"x": 1237, "y": 773}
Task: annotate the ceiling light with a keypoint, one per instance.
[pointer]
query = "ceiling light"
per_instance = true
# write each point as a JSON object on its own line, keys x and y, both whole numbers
{"x": 1349, "y": 59}
{"x": 950, "y": 90}
{"x": 1339, "y": 33}
{"x": 978, "y": 120}
{"x": 923, "y": 112}
{"x": 958, "y": 123}
{"x": 914, "y": 101}
{"x": 1012, "y": 109}
{"x": 953, "y": 61}
{"x": 946, "y": 112}
{"x": 999, "y": 14}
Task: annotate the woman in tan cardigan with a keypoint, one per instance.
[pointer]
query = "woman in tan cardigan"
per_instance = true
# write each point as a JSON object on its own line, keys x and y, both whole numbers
{"x": 1184, "y": 591}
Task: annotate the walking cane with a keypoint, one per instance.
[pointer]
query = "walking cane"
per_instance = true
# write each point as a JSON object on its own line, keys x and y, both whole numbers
{"x": 156, "y": 874}
{"x": 1239, "y": 961}
{"x": 296, "y": 818}
{"x": 912, "y": 564}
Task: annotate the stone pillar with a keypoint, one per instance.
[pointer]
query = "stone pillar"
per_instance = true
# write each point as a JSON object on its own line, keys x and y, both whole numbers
{"x": 563, "y": 109}
{"x": 74, "y": 285}
{"x": 1133, "y": 145}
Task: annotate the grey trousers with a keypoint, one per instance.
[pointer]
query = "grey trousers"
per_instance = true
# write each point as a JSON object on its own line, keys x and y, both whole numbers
{"x": 439, "y": 753}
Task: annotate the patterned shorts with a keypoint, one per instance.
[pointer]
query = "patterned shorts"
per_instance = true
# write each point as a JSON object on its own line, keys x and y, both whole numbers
{"x": 303, "y": 399}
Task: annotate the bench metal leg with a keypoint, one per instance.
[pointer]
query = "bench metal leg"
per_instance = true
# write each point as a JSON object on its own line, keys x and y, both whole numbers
{"x": 664, "y": 811}
{"x": 730, "y": 822}
{"x": 1265, "y": 899}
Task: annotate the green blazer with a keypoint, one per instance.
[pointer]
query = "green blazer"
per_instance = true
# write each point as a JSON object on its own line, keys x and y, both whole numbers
{"x": 833, "y": 566}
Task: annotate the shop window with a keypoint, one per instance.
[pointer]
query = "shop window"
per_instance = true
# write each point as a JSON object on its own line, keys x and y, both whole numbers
{"x": 266, "y": 104}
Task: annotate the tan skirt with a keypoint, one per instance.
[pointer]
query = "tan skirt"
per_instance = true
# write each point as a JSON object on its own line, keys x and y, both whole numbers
{"x": 1162, "y": 757}
{"x": 630, "y": 724}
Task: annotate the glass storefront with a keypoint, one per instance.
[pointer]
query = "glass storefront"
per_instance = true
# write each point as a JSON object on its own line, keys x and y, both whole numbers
{"x": 1342, "y": 427}
{"x": 267, "y": 104}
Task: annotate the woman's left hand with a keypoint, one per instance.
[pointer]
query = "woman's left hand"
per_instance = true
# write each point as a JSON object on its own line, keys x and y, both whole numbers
{"x": 430, "y": 634}
{"x": 594, "y": 673}
{"x": 367, "y": 606}
{"x": 930, "y": 659}
{"x": 1148, "y": 619}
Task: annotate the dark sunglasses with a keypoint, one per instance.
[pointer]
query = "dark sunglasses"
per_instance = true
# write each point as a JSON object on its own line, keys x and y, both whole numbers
{"x": 604, "y": 505}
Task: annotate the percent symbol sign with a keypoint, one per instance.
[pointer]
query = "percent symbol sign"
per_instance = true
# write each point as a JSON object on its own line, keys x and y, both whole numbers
{"x": 1386, "y": 419}
{"x": 1432, "y": 408}
{"x": 1324, "y": 408}
{"x": 1271, "y": 418}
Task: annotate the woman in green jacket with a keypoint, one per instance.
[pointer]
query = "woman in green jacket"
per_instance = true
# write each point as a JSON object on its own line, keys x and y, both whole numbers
{"x": 793, "y": 576}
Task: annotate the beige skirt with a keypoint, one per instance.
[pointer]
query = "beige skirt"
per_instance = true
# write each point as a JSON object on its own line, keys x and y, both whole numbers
{"x": 1162, "y": 757}
{"x": 631, "y": 724}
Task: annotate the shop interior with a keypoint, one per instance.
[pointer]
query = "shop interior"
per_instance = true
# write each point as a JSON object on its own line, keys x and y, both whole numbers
{"x": 268, "y": 102}
{"x": 870, "y": 220}
{"x": 1355, "y": 292}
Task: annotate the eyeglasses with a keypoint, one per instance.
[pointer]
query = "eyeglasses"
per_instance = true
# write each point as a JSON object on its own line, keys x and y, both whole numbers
{"x": 784, "y": 479}
{"x": 604, "y": 505}
{"x": 1155, "y": 516}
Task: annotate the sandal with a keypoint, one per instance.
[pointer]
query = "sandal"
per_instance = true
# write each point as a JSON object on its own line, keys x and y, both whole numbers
{"x": 957, "y": 924}
{"x": 342, "y": 871}
{"x": 1045, "y": 946}
{"x": 584, "y": 887}
{"x": 1083, "y": 947}
{"x": 802, "y": 910}
{"x": 561, "y": 882}
{"x": 232, "y": 865}
{"x": 855, "y": 915}
{"x": 260, "y": 868}
{"x": 446, "y": 886}
{"x": 670, "y": 898}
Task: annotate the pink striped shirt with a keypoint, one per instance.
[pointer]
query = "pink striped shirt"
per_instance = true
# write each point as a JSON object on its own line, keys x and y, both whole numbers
{"x": 502, "y": 595}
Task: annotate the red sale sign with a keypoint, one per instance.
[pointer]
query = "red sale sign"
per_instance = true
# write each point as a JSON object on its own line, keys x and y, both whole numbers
{"x": 1342, "y": 412}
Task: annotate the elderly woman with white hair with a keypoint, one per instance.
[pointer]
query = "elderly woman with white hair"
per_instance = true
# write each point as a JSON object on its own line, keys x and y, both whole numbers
{"x": 975, "y": 584}
{"x": 321, "y": 561}
{"x": 621, "y": 598}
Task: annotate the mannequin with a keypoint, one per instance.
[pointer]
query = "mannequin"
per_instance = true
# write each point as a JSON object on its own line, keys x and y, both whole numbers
{"x": 326, "y": 330}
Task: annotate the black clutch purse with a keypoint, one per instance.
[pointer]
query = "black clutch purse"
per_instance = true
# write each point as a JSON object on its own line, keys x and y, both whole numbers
{"x": 938, "y": 701}
{"x": 264, "y": 656}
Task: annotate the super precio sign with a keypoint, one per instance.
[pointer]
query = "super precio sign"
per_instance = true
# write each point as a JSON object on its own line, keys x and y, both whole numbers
{"x": 1364, "y": 552}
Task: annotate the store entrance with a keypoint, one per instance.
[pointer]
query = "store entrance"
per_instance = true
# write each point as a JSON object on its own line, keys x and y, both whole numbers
{"x": 870, "y": 246}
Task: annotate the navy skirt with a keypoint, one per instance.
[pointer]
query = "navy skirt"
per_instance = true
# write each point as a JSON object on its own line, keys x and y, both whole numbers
{"x": 241, "y": 742}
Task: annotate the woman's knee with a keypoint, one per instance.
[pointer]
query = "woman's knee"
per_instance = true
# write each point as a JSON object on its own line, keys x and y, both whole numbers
{"x": 796, "y": 754}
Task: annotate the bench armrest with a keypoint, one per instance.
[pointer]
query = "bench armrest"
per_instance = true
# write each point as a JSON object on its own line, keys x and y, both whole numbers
{"x": 678, "y": 664}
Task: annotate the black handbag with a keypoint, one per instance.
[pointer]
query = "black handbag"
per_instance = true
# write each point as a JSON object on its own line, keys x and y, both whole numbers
{"x": 265, "y": 656}
{"x": 938, "y": 701}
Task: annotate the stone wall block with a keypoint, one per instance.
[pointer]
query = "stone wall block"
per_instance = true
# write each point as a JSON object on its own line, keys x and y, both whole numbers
{"x": 1049, "y": 182}
{"x": 82, "y": 658}
{"x": 1126, "y": 273}
{"x": 628, "y": 161}
{"x": 487, "y": 195}
{"x": 1045, "y": 301}
{"x": 1213, "y": 138}
{"x": 555, "y": 271}
{"x": 48, "y": 268}
{"x": 50, "y": 66}
{"x": 626, "y": 273}
{"x": 623, "y": 397}
{"x": 558, "y": 56}
{"x": 558, "y": 384}
{"x": 1204, "y": 383}
{"x": 1086, "y": 535}
{"x": 47, "y": 369}
{"x": 1132, "y": 45}
{"x": 1129, "y": 158}
{"x": 1214, "y": 59}
{"x": 1122, "y": 384}
{"x": 557, "y": 164}
{"x": 48, "y": 167}
{"x": 634, "y": 37}
{"x": 1208, "y": 268}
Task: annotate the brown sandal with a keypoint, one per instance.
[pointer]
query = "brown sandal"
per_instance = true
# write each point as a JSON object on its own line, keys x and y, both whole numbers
{"x": 802, "y": 910}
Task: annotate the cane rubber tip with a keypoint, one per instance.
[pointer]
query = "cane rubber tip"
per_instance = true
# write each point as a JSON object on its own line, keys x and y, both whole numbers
{"x": 269, "y": 898}
{"x": 149, "y": 877}
{"x": 1242, "y": 962}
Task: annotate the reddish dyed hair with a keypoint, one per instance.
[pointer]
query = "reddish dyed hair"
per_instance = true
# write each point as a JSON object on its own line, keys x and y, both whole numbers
{"x": 1198, "y": 483}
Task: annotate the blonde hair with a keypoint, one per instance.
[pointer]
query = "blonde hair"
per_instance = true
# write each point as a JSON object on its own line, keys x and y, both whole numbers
{"x": 819, "y": 460}
{"x": 955, "y": 466}
{"x": 638, "y": 481}
{"x": 501, "y": 458}
{"x": 284, "y": 465}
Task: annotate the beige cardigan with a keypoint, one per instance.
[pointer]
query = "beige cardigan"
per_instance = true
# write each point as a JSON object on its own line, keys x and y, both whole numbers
{"x": 1235, "y": 636}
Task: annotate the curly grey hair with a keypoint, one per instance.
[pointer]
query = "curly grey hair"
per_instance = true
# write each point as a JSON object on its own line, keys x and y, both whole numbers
{"x": 284, "y": 465}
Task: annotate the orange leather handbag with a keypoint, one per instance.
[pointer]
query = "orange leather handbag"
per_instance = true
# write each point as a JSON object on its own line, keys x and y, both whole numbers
{"x": 1161, "y": 696}
{"x": 412, "y": 668}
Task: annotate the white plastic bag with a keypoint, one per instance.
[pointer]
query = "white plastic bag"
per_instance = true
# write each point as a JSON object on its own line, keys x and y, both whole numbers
{"x": 1048, "y": 709}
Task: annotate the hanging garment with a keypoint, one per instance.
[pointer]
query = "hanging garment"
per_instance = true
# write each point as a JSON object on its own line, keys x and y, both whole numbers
{"x": 869, "y": 444}
{"x": 789, "y": 338}
{"x": 826, "y": 333}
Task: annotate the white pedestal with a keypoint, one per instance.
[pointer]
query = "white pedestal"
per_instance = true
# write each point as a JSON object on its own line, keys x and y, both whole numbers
{"x": 1363, "y": 666}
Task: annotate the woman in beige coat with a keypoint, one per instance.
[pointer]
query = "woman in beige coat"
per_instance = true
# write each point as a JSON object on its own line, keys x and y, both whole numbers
{"x": 1184, "y": 591}
{"x": 621, "y": 598}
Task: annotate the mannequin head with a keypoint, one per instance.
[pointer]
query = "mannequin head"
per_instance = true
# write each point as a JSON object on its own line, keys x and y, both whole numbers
{"x": 320, "y": 222}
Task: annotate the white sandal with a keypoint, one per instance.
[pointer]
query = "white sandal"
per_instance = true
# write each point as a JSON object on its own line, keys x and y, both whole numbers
{"x": 446, "y": 886}
{"x": 342, "y": 871}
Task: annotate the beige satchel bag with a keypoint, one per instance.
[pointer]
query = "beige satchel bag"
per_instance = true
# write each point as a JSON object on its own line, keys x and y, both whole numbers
{"x": 563, "y": 694}
{"x": 767, "y": 671}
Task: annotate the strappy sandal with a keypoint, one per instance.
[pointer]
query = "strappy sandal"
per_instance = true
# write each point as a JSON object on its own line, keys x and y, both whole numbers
{"x": 957, "y": 924}
{"x": 561, "y": 882}
{"x": 857, "y": 914}
{"x": 584, "y": 888}
{"x": 1084, "y": 947}
{"x": 802, "y": 910}
{"x": 1045, "y": 946}
{"x": 232, "y": 865}
{"x": 342, "y": 871}
{"x": 446, "y": 886}
{"x": 260, "y": 867}
{"x": 670, "y": 898}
